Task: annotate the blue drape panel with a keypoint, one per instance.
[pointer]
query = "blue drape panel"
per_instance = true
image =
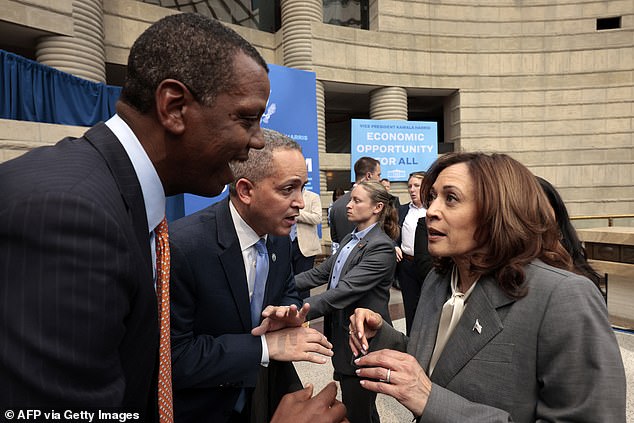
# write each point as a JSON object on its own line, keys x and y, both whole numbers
{"x": 35, "y": 92}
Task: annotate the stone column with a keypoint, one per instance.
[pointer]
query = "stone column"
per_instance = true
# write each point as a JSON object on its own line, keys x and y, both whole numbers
{"x": 297, "y": 16}
{"x": 388, "y": 103}
{"x": 82, "y": 55}
{"x": 321, "y": 117}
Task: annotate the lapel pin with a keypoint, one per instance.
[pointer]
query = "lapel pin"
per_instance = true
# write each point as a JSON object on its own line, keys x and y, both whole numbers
{"x": 273, "y": 257}
{"x": 477, "y": 327}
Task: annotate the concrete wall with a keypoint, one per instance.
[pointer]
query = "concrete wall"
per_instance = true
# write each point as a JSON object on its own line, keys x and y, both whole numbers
{"x": 532, "y": 78}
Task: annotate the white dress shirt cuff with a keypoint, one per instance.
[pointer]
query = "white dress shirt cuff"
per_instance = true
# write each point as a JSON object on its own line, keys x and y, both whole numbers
{"x": 265, "y": 352}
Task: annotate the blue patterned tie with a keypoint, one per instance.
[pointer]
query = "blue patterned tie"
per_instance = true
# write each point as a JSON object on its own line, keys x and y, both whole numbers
{"x": 261, "y": 273}
{"x": 293, "y": 232}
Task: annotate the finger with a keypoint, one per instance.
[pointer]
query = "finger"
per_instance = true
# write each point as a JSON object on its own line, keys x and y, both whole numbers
{"x": 380, "y": 387}
{"x": 262, "y": 329}
{"x": 306, "y": 393}
{"x": 303, "y": 312}
{"x": 328, "y": 395}
{"x": 354, "y": 343}
{"x": 377, "y": 373}
{"x": 268, "y": 310}
{"x": 318, "y": 349}
{"x": 337, "y": 412}
{"x": 311, "y": 358}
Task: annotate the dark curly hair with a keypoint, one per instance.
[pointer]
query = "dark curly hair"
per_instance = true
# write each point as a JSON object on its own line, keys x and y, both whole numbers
{"x": 191, "y": 48}
{"x": 515, "y": 221}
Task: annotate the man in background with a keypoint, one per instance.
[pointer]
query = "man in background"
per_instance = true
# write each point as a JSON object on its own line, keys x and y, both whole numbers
{"x": 304, "y": 237}
{"x": 365, "y": 169}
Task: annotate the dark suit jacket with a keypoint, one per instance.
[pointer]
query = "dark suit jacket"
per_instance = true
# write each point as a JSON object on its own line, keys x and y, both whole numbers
{"x": 365, "y": 281}
{"x": 340, "y": 226}
{"x": 78, "y": 310}
{"x": 214, "y": 354}
{"x": 422, "y": 259}
{"x": 549, "y": 356}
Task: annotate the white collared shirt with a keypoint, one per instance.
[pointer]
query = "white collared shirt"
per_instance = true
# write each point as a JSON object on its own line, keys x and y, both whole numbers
{"x": 408, "y": 230}
{"x": 151, "y": 186}
{"x": 247, "y": 239}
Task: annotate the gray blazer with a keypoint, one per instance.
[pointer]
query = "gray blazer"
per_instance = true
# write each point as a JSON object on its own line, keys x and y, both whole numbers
{"x": 550, "y": 356}
{"x": 365, "y": 281}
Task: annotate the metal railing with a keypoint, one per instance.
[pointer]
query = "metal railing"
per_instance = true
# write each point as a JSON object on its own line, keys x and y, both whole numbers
{"x": 609, "y": 217}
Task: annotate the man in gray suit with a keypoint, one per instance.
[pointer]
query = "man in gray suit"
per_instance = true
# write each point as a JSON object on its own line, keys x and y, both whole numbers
{"x": 365, "y": 169}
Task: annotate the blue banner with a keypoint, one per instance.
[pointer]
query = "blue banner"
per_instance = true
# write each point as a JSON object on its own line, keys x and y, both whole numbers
{"x": 401, "y": 146}
{"x": 291, "y": 110}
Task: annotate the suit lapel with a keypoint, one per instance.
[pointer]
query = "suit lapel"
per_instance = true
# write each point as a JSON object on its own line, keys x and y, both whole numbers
{"x": 425, "y": 329}
{"x": 123, "y": 173}
{"x": 233, "y": 264}
{"x": 465, "y": 342}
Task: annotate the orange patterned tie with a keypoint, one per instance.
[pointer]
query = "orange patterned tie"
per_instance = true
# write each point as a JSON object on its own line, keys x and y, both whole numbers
{"x": 166, "y": 414}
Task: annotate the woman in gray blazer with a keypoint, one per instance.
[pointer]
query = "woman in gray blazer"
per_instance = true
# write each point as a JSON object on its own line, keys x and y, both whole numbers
{"x": 504, "y": 331}
{"x": 360, "y": 274}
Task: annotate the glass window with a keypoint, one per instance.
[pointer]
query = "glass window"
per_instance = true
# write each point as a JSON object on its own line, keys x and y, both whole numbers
{"x": 257, "y": 14}
{"x": 353, "y": 13}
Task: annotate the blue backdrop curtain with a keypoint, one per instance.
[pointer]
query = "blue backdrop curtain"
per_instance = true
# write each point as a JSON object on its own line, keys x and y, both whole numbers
{"x": 38, "y": 93}
{"x": 35, "y": 92}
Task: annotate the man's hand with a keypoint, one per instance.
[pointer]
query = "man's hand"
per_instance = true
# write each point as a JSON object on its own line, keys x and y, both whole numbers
{"x": 298, "y": 344}
{"x": 300, "y": 407}
{"x": 280, "y": 317}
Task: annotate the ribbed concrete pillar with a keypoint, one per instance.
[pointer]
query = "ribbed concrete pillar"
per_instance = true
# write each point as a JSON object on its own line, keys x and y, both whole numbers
{"x": 321, "y": 117}
{"x": 388, "y": 103}
{"x": 323, "y": 183}
{"x": 297, "y": 16}
{"x": 83, "y": 54}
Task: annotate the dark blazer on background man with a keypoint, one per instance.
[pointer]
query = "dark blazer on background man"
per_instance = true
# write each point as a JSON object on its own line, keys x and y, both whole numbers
{"x": 340, "y": 226}
{"x": 422, "y": 259}
{"x": 365, "y": 281}
{"x": 214, "y": 354}
{"x": 78, "y": 314}
{"x": 549, "y": 356}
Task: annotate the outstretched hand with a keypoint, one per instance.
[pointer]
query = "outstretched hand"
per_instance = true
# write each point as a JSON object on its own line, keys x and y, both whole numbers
{"x": 300, "y": 407}
{"x": 298, "y": 344}
{"x": 280, "y": 317}
{"x": 364, "y": 324}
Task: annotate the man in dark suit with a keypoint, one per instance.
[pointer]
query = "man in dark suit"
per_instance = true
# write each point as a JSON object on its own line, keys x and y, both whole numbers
{"x": 216, "y": 358}
{"x": 79, "y": 316}
{"x": 365, "y": 169}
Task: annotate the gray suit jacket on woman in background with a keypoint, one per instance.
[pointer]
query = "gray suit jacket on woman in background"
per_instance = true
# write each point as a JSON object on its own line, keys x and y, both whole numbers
{"x": 365, "y": 281}
{"x": 550, "y": 356}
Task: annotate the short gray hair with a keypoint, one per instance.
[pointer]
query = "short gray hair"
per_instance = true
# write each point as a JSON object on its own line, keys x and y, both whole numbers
{"x": 259, "y": 165}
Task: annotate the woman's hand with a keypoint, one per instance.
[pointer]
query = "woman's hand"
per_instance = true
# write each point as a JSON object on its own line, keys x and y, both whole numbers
{"x": 364, "y": 324}
{"x": 398, "y": 375}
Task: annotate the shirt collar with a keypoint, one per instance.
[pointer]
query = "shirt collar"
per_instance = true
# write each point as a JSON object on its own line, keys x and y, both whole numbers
{"x": 246, "y": 235}
{"x": 363, "y": 233}
{"x": 151, "y": 186}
